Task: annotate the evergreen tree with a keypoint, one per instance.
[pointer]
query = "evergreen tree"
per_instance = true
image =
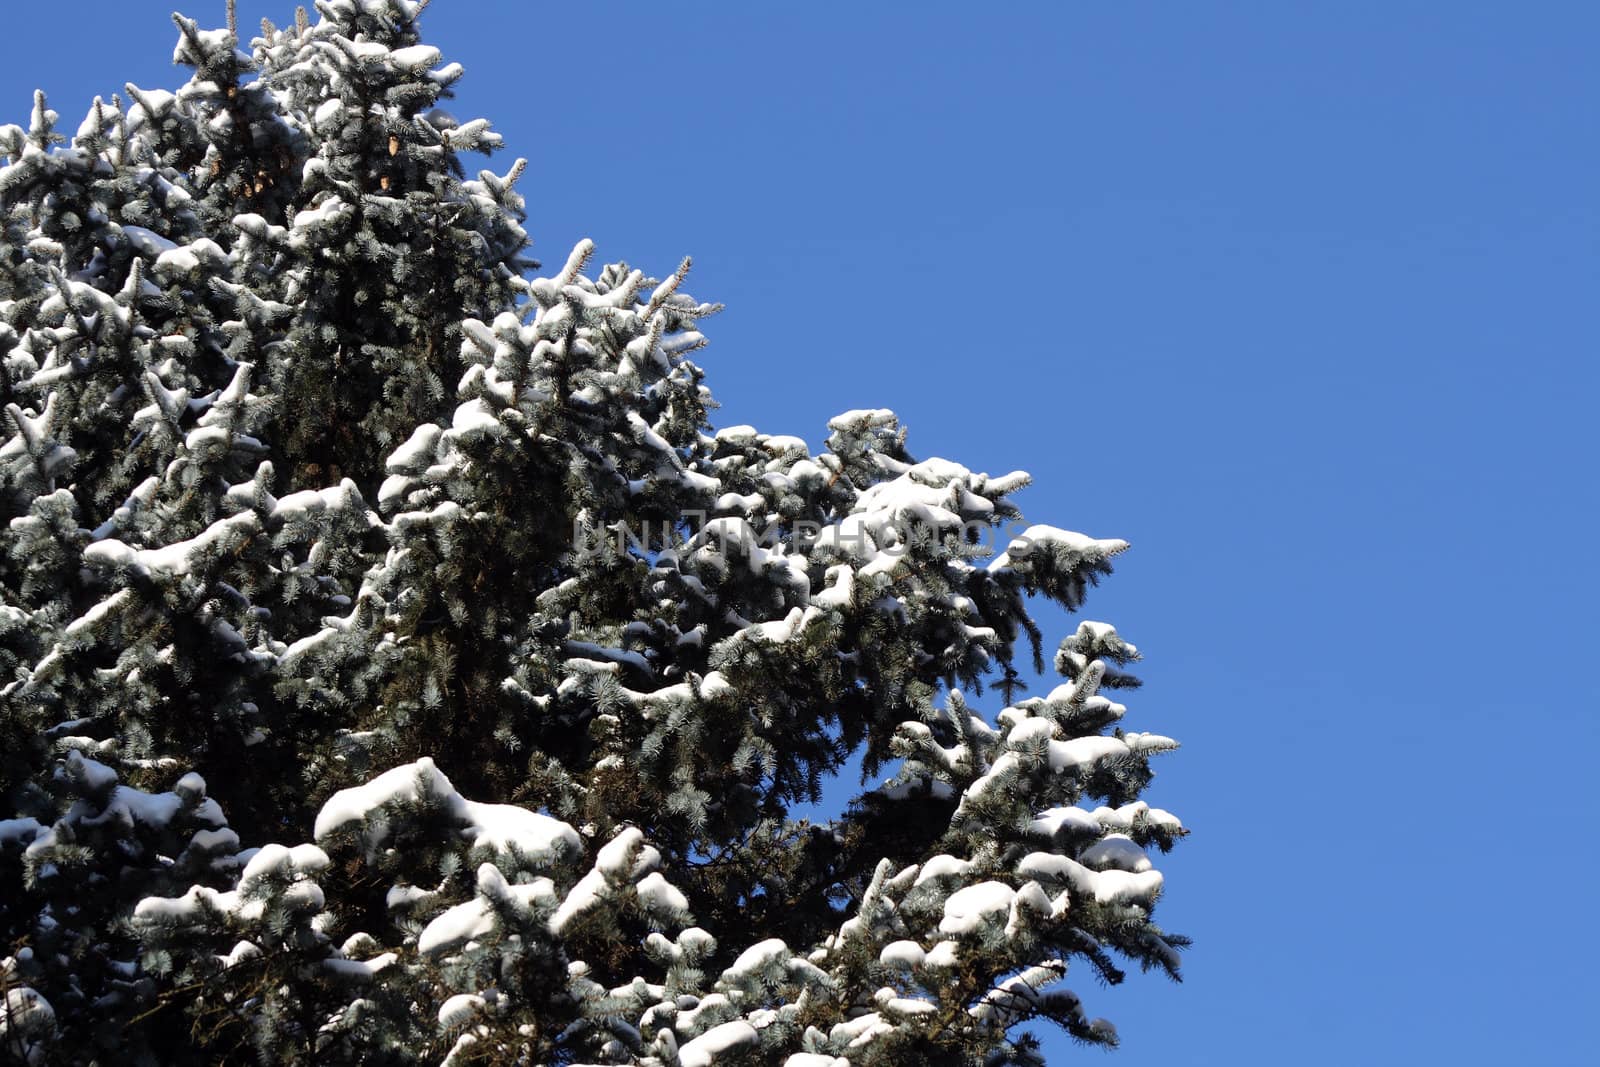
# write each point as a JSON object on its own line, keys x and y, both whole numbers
{"x": 323, "y": 514}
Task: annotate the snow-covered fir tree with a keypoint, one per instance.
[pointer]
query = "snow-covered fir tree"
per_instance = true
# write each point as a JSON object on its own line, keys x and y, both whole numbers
{"x": 396, "y": 666}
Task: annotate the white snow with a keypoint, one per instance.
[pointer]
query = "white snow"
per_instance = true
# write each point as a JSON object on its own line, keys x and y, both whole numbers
{"x": 942, "y": 866}
{"x": 736, "y": 435}
{"x": 278, "y": 861}
{"x": 756, "y": 959}
{"x": 781, "y": 443}
{"x": 785, "y": 629}
{"x": 659, "y": 895}
{"x": 407, "y": 784}
{"x": 177, "y": 261}
{"x": 1039, "y": 539}
{"x": 840, "y": 590}
{"x": 696, "y": 940}
{"x": 405, "y": 897}
{"x": 507, "y": 828}
{"x": 1116, "y": 851}
{"x": 417, "y": 452}
{"x": 416, "y": 57}
{"x": 270, "y": 865}
{"x": 586, "y": 895}
{"x": 26, "y": 1016}
{"x": 95, "y": 776}
{"x": 176, "y": 559}
{"x": 1029, "y": 730}
{"x": 360, "y": 970}
{"x": 1081, "y": 754}
{"x": 907, "y": 498}
{"x": 475, "y": 919}
{"x": 1151, "y": 743}
{"x": 1002, "y": 770}
{"x": 704, "y": 1050}
{"x": 731, "y": 535}
{"x": 715, "y": 685}
{"x": 315, "y": 501}
{"x": 394, "y": 487}
{"x": 1054, "y": 820}
{"x": 888, "y": 1000}
{"x": 615, "y": 858}
{"x": 740, "y": 502}
{"x": 322, "y": 214}
{"x": 700, "y": 1013}
{"x": 862, "y": 1030}
{"x": 459, "y": 1010}
{"x": 148, "y": 241}
{"x": 967, "y": 910}
{"x": 502, "y": 827}
{"x": 861, "y": 418}
{"x": 943, "y": 956}
{"x": 130, "y": 807}
{"x": 1106, "y": 887}
{"x": 242, "y": 950}
{"x": 473, "y": 418}
{"x": 902, "y": 954}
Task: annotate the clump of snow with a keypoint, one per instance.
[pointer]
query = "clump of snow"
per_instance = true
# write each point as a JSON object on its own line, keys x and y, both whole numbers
{"x": 1030, "y": 730}
{"x": 1117, "y": 851}
{"x": 459, "y": 1010}
{"x": 272, "y": 872}
{"x": 616, "y": 856}
{"x": 476, "y": 919}
{"x": 757, "y": 959}
{"x": 1104, "y": 887}
{"x": 704, "y": 1050}
{"x": 862, "y": 1030}
{"x": 179, "y": 558}
{"x": 26, "y": 1019}
{"x": 943, "y": 956}
{"x": 146, "y": 240}
{"x": 360, "y": 970}
{"x": 241, "y": 951}
{"x": 91, "y": 775}
{"x": 659, "y": 895}
{"x": 1068, "y": 819}
{"x": 504, "y": 828}
{"x": 697, "y": 940}
{"x": 968, "y": 909}
{"x": 415, "y": 57}
{"x": 890, "y": 1002}
{"x": 417, "y": 453}
{"x": 861, "y": 419}
{"x": 942, "y": 866}
{"x": 1036, "y": 541}
{"x": 177, "y": 261}
{"x": 906, "y": 954}
{"x": 1082, "y": 754}
{"x": 625, "y": 857}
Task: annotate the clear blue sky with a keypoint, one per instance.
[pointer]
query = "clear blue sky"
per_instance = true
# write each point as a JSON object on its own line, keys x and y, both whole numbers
{"x": 1299, "y": 299}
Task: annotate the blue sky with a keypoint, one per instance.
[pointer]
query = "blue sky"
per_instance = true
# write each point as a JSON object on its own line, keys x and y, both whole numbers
{"x": 1298, "y": 299}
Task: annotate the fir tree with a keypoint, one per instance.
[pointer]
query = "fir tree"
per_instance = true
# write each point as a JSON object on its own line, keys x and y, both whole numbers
{"x": 396, "y": 666}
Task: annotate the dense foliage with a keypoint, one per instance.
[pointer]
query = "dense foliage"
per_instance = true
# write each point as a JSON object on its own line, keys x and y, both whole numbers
{"x": 397, "y": 667}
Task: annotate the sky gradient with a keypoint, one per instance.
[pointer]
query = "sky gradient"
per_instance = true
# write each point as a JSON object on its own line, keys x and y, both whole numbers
{"x": 1299, "y": 300}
